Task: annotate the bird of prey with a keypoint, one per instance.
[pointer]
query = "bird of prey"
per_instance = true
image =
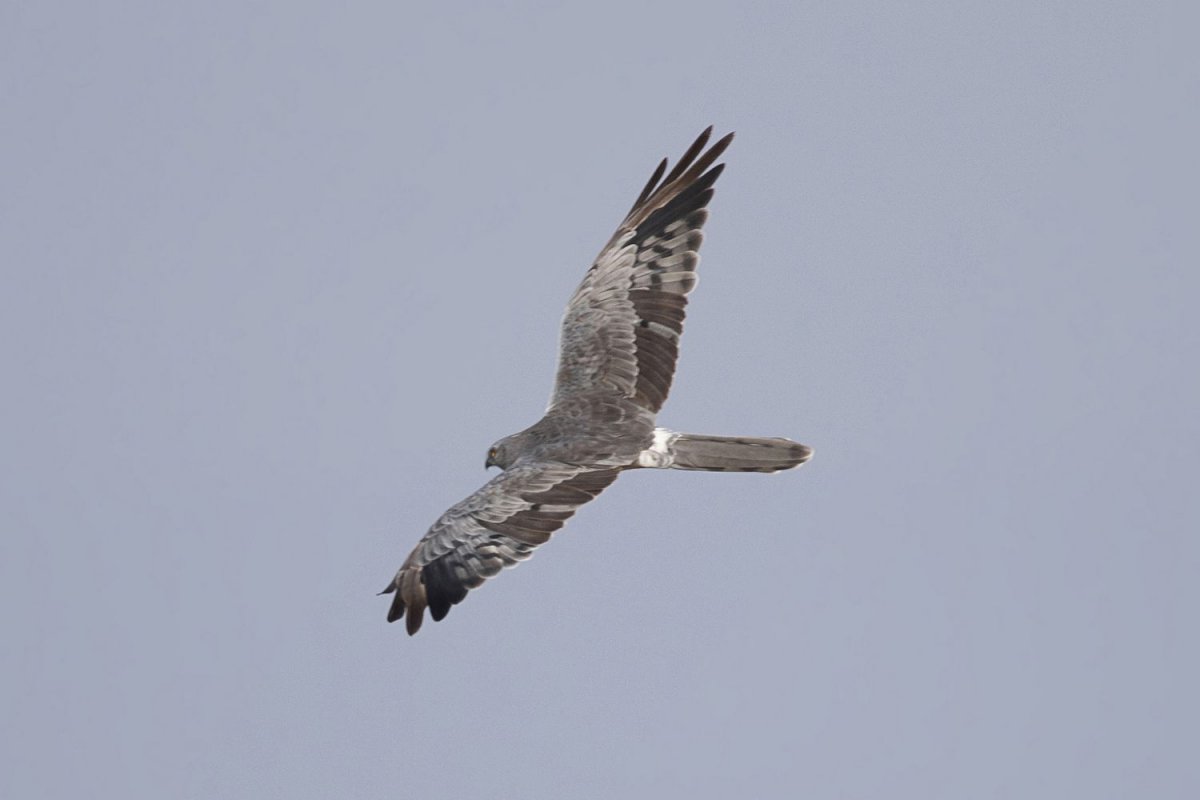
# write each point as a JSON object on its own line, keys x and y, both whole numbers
{"x": 617, "y": 350}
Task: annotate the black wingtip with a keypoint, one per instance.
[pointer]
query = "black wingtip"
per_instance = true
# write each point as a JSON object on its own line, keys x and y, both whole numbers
{"x": 690, "y": 167}
{"x": 651, "y": 185}
{"x": 396, "y": 611}
{"x": 689, "y": 156}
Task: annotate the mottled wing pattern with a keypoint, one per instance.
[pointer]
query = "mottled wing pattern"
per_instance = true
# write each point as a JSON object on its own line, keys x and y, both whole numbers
{"x": 494, "y": 528}
{"x": 622, "y": 326}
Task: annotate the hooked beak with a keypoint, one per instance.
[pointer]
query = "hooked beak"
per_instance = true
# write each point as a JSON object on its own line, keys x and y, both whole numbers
{"x": 489, "y": 463}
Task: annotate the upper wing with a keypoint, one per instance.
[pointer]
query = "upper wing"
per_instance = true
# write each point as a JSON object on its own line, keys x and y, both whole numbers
{"x": 621, "y": 328}
{"x": 495, "y": 527}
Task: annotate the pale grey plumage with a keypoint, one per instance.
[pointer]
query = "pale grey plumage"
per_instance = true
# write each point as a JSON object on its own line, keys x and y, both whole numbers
{"x": 618, "y": 348}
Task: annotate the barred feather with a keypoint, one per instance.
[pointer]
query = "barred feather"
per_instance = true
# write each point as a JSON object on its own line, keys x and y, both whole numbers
{"x": 621, "y": 329}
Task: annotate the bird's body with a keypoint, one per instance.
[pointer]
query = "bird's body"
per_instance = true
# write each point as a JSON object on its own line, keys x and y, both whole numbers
{"x": 585, "y": 429}
{"x": 618, "y": 347}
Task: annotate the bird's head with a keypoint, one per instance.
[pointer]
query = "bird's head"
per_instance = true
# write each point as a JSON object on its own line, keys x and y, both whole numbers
{"x": 509, "y": 450}
{"x": 498, "y": 455}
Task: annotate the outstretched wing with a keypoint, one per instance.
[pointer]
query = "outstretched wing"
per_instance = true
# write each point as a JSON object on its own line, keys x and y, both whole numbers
{"x": 494, "y": 528}
{"x": 622, "y": 327}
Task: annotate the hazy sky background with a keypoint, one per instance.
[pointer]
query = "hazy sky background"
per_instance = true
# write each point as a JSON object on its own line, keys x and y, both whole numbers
{"x": 276, "y": 274}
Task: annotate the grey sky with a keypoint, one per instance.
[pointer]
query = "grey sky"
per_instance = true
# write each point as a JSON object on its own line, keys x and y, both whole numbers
{"x": 277, "y": 274}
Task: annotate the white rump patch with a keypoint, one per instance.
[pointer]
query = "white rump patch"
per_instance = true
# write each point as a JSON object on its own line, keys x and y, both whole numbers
{"x": 661, "y": 453}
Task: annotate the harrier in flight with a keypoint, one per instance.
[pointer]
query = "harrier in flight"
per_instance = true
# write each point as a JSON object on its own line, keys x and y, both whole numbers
{"x": 618, "y": 346}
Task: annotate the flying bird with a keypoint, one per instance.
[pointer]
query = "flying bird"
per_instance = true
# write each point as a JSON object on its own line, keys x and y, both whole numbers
{"x": 617, "y": 350}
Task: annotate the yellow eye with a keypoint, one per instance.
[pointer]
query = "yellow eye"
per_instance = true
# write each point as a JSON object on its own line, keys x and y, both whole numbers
{"x": 492, "y": 453}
